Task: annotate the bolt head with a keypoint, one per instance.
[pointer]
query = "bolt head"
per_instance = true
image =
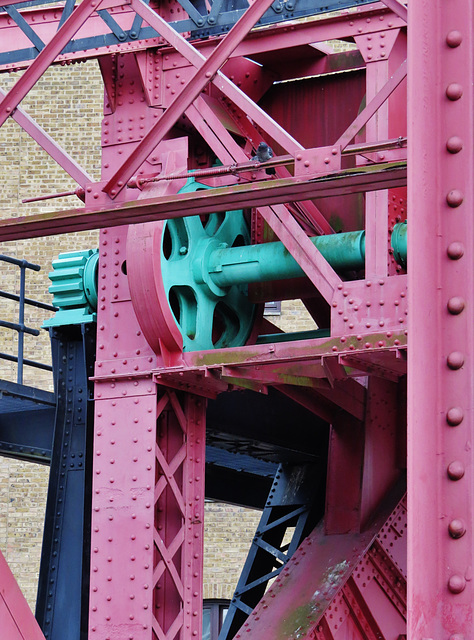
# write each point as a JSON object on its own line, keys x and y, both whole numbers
{"x": 456, "y": 583}
{"x": 454, "y": 39}
{"x": 454, "y": 91}
{"x": 455, "y": 470}
{"x": 454, "y": 144}
{"x": 457, "y": 528}
{"x": 454, "y": 416}
{"x": 456, "y": 305}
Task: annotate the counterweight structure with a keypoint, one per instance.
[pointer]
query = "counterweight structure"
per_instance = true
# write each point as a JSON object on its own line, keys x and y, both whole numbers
{"x": 200, "y": 225}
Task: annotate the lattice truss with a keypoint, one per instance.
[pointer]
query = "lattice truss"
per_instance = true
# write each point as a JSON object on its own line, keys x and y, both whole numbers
{"x": 154, "y": 542}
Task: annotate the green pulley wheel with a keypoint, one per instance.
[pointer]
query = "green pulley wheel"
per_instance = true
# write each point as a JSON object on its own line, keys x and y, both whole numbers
{"x": 208, "y": 316}
{"x": 178, "y": 305}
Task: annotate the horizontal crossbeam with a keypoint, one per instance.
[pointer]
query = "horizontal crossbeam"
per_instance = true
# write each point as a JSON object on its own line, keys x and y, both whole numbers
{"x": 373, "y": 178}
{"x": 100, "y": 36}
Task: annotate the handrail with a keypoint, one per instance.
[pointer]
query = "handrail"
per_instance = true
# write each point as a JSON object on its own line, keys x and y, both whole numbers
{"x": 20, "y": 326}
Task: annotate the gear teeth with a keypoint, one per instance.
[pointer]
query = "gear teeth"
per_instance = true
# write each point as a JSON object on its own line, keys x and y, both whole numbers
{"x": 74, "y": 288}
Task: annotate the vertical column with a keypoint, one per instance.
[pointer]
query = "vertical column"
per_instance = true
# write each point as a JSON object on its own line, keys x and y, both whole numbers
{"x": 441, "y": 366}
{"x": 381, "y": 53}
{"x": 376, "y": 49}
{"x": 376, "y": 202}
{"x": 64, "y": 569}
{"x": 148, "y": 478}
{"x": 148, "y": 514}
{"x": 122, "y": 511}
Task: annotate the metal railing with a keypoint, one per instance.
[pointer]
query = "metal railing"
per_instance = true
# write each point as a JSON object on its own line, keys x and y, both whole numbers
{"x": 20, "y": 326}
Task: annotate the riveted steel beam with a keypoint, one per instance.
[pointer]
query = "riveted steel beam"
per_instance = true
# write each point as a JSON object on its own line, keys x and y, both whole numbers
{"x": 188, "y": 94}
{"x": 379, "y": 176}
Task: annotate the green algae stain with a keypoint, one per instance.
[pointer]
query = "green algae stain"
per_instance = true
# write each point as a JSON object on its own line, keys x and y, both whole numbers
{"x": 301, "y": 619}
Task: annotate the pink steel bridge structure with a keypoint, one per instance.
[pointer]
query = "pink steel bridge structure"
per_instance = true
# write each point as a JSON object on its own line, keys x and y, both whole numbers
{"x": 363, "y": 138}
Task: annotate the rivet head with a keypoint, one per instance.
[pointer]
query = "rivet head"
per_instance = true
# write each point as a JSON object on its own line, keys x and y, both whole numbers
{"x": 455, "y": 470}
{"x": 454, "y": 416}
{"x": 456, "y": 583}
{"x": 455, "y": 250}
{"x": 454, "y": 91}
{"x": 455, "y": 360}
{"x": 456, "y": 528}
{"x": 455, "y": 198}
{"x": 454, "y": 144}
{"x": 454, "y": 39}
{"x": 456, "y": 305}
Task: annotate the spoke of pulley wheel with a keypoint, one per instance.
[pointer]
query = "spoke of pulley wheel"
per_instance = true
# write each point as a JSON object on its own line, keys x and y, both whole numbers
{"x": 232, "y": 228}
{"x": 195, "y": 227}
{"x": 184, "y": 305}
{"x": 177, "y": 271}
{"x": 205, "y": 320}
{"x": 179, "y": 238}
{"x": 213, "y": 223}
{"x": 238, "y": 315}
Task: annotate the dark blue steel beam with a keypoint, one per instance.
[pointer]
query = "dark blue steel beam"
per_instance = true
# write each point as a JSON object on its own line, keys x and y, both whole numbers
{"x": 264, "y": 433}
{"x": 62, "y": 602}
{"x": 27, "y": 434}
{"x": 295, "y": 501}
{"x": 212, "y": 23}
{"x": 26, "y": 422}
{"x": 238, "y": 479}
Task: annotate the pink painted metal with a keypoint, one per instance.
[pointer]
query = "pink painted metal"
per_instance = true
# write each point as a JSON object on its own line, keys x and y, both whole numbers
{"x": 372, "y": 603}
{"x": 213, "y": 132}
{"x": 149, "y": 432}
{"x": 148, "y": 507}
{"x": 302, "y": 249}
{"x": 441, "y": 368}
{"x": 148, "y": 478}
{"x": 46, "y": 57}
{"x": 373, "y": 106}
{"x": 398, "y": 8}
{"x": 301, "y": 365}
{"x": 228, "y": 198}
{"x": 304, "y": 601}
{"x": 300, "y": 351}
{"x": 378, "y": 304}
{"x": 50, "y": 146}
{"x": 219, "y": 80}
{"x": 45, "y": 22}
{"x": 343, "y": 499}
{"x": 368, "y": 448}
{"x": 148, "y": 293}
{"x": 186, "y": 96}
{"x": 17, "y": 622}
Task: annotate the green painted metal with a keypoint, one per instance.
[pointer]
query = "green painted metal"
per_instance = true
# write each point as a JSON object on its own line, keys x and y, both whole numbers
{"x": 208, "y": 315}
{"x": 206, "y": 265}
{"x": 74, "y": 288}
{"x": 90, "y": 279}
{"x": 272, "y": 261}
{"x": 399, "y": 243}
{"x": 270, "y": 338}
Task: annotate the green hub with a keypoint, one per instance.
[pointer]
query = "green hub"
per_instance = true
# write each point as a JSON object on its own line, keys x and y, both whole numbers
{"x": 399, "y": 243}
{"x": 209, "y": 316}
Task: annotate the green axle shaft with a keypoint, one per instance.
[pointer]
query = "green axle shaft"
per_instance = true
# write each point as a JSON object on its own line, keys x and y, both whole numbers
{"x": 272, "y": 261}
